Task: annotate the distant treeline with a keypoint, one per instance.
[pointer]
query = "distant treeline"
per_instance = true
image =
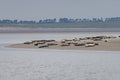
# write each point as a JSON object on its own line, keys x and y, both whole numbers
{"x": 60, "y": 20}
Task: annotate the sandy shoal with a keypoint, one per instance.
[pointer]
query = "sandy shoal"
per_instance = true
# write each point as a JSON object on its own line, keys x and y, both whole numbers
{"x": 111, "y": 45}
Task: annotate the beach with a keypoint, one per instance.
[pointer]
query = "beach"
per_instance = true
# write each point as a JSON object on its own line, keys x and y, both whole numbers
{"x": 108, "y": 44}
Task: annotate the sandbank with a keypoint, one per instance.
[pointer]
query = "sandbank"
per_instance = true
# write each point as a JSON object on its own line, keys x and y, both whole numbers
{"x": 111, "y": 44}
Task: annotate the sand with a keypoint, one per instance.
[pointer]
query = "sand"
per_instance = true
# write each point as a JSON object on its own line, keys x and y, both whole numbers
{"x": 112, "y": 44}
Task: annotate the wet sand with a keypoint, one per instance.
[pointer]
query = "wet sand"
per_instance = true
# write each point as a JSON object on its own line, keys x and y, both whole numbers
{"x": 112, "y": 44}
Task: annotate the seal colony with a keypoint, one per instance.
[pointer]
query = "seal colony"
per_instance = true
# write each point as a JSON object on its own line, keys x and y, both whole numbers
{"x": 102, "y": 43}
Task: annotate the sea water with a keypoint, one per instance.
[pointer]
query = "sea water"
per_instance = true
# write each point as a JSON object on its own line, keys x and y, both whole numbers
{"x": 43, "y": 64}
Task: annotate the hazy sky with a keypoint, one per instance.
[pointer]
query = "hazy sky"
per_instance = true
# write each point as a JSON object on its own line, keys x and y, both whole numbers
{"x": 42, "y": 9}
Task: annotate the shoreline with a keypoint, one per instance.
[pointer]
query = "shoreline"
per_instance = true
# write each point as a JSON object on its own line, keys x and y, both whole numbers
{"x": 55, "y": 30}
{"x": 58, "y": 49}
{"x": 108, "y": 44}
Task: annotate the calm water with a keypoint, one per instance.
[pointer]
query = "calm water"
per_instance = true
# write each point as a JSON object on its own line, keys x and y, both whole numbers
{"x": 31, "y": 64}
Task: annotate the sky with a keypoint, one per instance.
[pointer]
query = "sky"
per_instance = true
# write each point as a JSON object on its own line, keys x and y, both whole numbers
{"x": 44, "y": 9}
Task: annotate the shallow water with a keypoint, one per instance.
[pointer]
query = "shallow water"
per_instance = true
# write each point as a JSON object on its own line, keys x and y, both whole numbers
{"x": 35, "y": 64}
{"x": 18, "y": 38}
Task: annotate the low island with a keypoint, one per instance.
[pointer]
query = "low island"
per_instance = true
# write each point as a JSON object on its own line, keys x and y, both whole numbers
{"x": 99, "y": 43}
